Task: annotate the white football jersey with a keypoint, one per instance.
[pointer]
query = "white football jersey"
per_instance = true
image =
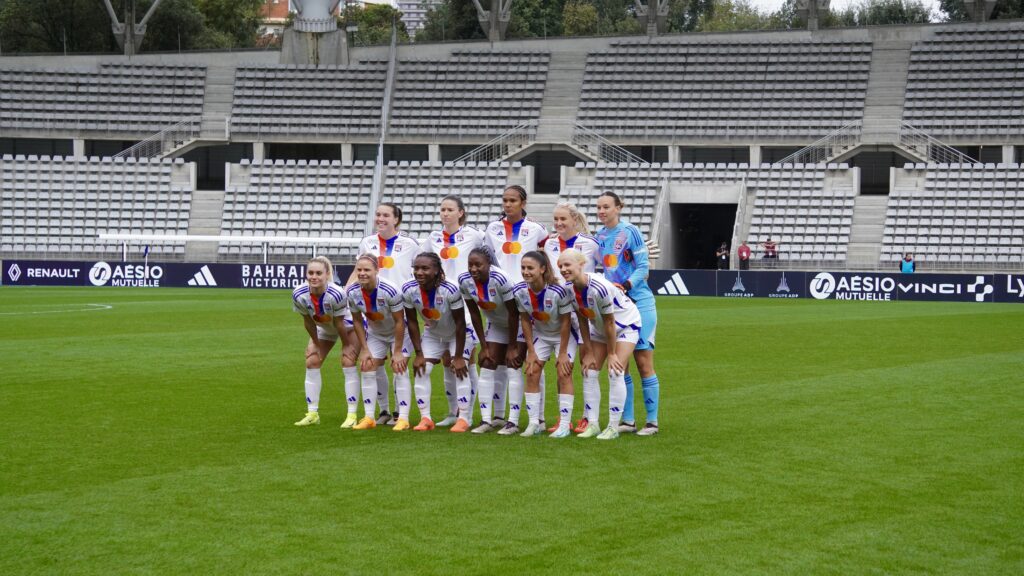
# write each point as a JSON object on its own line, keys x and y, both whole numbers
{"x": 436, "y": 306}
{"x": 394, "y": 256}
{"x": 454, "y": 249}
{"x": 510, "y": 241}
{"x": 490, "y": 297}
{"x": 601, "y": 298}
{"x": 583, "y": 242}
{"x": 377, "y": 307}
{"x": 545, "y": 308}
{"x": 323, "y": 308}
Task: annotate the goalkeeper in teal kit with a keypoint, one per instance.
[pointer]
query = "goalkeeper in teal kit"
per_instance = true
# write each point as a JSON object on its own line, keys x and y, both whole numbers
{"x": 623, "y": 254}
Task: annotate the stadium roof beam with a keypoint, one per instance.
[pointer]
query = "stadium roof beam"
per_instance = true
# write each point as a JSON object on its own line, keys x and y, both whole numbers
{"x": 810, "y": 9}
{"x": 129, "y": 35}
{"x": 495, "y": 21}
{"x": 657, "y": 24}
{"x": 980, "y": 10}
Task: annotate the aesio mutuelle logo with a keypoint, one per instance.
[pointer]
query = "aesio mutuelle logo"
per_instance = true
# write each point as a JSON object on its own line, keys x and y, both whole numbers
{"x": 823, "y": 285}
{"x": 125, "y": 275}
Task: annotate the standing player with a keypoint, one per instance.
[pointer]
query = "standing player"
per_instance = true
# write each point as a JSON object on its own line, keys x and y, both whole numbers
{"x": 380, "y": 304}
{"x": 487, "y": 291}
{"x": 394, "y": 251}
{"x": 509, "y": 238}
{"x": 624, "y": 257}
{"x": 545, "y": 308}
{"x": 607, "y": 318}
{"x": 444, "y": 336}
{"x": 452, "y": 243}
{"x": 573, "y": 232}
{"x": 323, "y": 308}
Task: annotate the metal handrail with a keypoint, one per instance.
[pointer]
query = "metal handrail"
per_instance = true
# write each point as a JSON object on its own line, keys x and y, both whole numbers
{"x": 502, "y": 146}
{"x": 601, "y": 147}
{"x": 737, "y": 227}
{"x": 165, "y": 140}
{"x": 827, "y": 147}
{"x": 932, "y": 149}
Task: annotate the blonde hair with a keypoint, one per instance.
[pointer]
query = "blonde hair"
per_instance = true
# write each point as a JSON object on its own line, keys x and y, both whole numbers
{"x": 573, "y": 255}
{"x": 326, "y": 263}
{"x": 576, "y": 215}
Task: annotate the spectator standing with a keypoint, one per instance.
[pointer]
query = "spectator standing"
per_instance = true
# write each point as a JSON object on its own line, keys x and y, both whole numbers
{"x": 722, "y": 256}
{"x": 771, "y": 248}
{"x": 743, "y": 253}
{"x": 907, "y": 265}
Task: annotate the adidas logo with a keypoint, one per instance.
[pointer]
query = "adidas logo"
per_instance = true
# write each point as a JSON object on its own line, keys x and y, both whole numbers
{"x": 203, "y": 278}
{"x": 675, "y": 286}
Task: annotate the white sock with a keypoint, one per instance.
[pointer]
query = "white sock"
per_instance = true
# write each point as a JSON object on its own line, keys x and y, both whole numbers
{"x": 616, "y": 397}
{"x": 403, "y": 395}
{"x": 533, "y": 400}
{"x": 564, "y": 411}
{"x": 591, "y": 396}
{"x": 369, "y": 393}
{"x": 474, "y": 383}
{"x": 515, "y": 394}
{"x": 422, "y": 386}
{"x": 486, "y": 393}
{"x": 351, "y": 388}
{"x": 451, "y": 391}
{"x": 314, "y": 381}
{"x": 543, "y": 394}
{"x": 500, "y": 387}
{"x": 464, "y": 399}
{"x": 383, "y": 394}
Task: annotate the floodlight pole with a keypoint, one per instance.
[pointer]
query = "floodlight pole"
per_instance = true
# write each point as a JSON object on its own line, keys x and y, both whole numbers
{"x": 129, "y": 35}
{"x": 494, "y": 21}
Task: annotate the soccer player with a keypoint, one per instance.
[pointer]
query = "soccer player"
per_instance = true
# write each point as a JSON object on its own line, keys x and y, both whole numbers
{"x": 453, "y": 243}
{"x": 443, "y": 337}
{"x": 607, "y": 318}
{"x": 395, "y": 251}
{"x": 509, "y": 238}
{"x": 571, "y": 232}
{"x": 380, "y": 303}
{"x": 624, "y": 258}
{"x": 323, "y": 308}
{"x": 545, "y": 308}
{"x": 487, "y": 292}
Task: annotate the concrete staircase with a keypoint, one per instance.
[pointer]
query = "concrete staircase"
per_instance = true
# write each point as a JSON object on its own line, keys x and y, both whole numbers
{"x": 220, "y": 81}
{"x": 204, "y": 220}
{"x": 561, "y": 96}
{"x": 539, "y": 208}
{"x": 887, "y": 84}
{"x": 866, "y": 231}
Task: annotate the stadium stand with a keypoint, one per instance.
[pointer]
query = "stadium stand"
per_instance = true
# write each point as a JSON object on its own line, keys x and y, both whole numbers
{"x": 473, "y": 93}
{"x": 295, "y": 198}
{"x": 968, "y": 83}
{"x": 950, "y": 215}
{"x": 696, "y": 87}
{"x": 420, "y": 186}
{"x": 57, "y": 207}
{"x": 308, "y": 101}
{"x": 115, "y": 98}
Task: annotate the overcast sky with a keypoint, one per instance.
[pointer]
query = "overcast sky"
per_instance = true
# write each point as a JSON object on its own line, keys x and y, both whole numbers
{"x": 773, "y": 5}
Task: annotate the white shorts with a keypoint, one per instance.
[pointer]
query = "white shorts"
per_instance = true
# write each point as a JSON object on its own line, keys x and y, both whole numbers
{"x": 545, "y": 348}
{"x": 328, "y": 333}
{"x": 435, "y": 347}
{"x": 628, "y": 333}
{"x": 380, "y": 348}
{"x": 496, "y": 334}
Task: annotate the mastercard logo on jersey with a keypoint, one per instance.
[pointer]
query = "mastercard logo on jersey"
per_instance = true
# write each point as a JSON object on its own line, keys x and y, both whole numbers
{"x": 611, "y": 260}
{"x": 449, "y": 253}
{"x": 541, "y": 316}
{"x": 385, "y": 262}
{"x": 374, "y": 316}
{"x": 511, "y": 247}
{"x": 431, "y": 313}
{"x": 588, "y": 313}
{"x": 488, "y": 305}
{"x": 321, "y": 318}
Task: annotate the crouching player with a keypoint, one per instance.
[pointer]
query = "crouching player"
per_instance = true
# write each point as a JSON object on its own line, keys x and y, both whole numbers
{"x": 443, "y": 338}
{"x": 379, "y": 302}
{"x": 324, "y": 310}
{"x": 608, "y": 318}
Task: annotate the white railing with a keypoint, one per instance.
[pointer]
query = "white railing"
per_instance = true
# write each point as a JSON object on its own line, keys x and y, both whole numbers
{"x": 385, "y": 112}
{"x": 165, "y": 140}
{"x": 502, "y": 146}
{"x": 737, "y": 227}
{"x": 146, "y": 239}
{"x": 827, "y": 147}
{"x": 600, "y": 147}
{"x": 930, "y": 148}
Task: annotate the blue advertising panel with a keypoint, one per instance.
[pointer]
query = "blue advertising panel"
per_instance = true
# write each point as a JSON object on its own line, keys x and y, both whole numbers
{"x": 890, "y": 287}
{"x": 1009, "y": 288}
{"x": 781, "y": 284}
{"x": 683, "y": 282}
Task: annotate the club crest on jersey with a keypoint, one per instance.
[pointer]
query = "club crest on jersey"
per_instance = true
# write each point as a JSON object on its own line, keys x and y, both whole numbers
{"x": 548, "y": 302}
{"x": 438, "y": 302}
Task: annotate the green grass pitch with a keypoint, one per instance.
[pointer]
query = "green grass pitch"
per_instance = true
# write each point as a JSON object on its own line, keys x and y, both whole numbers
{"x": 156, "y": 437}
